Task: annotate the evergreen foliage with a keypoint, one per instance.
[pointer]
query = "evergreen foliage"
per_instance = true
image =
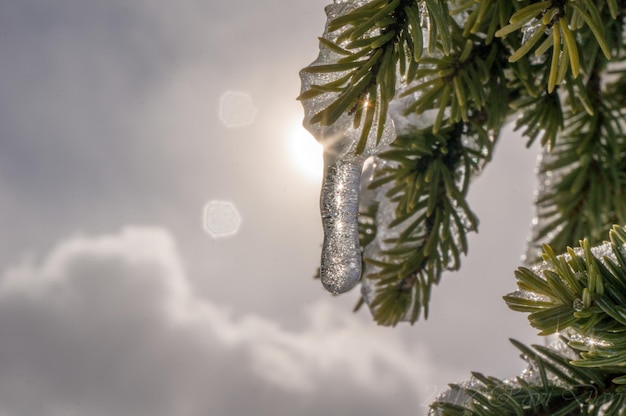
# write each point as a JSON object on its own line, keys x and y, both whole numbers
{"x": 552, "y": 385}
{"x": 476, "y": 63}
{"x": 469, "y": 66}
{"x": 429, "y": 190}
{"x": 580, "y": 295}
{"x": 584, "y": 292}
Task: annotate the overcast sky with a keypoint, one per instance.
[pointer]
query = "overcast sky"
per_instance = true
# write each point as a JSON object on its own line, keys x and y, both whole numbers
{"x": 120, "y": 122}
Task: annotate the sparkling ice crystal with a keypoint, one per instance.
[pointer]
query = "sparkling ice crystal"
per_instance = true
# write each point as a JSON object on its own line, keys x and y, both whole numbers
{"x": 341, "y": 254}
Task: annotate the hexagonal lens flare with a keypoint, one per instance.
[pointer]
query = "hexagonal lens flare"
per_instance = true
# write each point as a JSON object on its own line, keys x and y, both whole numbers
{"x": 237, "y": 109}
{"x": 221, "y": 219}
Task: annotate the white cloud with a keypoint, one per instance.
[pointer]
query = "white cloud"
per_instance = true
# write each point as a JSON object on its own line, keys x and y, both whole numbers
{"x": 110, "y": 325}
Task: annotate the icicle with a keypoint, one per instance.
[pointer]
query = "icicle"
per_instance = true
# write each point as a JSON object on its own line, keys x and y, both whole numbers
{"x": 339, "y": 202}
{"x": 339, "y": 205}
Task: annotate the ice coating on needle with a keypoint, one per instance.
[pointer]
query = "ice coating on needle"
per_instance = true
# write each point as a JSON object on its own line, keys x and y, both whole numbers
{"x": 455, "y": 394}
{"x": 339, "y": 201}
{"x": 600, "y": 252}
{"x": 340, "y": 138}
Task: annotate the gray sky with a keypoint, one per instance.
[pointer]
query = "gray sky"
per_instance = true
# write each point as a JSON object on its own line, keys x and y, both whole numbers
{"x": 119, "y": 122}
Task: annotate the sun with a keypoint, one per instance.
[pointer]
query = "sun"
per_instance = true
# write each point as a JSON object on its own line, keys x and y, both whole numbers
{"x": 305, "y": 152}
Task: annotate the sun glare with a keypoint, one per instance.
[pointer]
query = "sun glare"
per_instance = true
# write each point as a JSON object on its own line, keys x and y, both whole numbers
{"x": 306, "y": 153}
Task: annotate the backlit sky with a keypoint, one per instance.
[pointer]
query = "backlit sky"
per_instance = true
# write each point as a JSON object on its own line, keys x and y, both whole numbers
{"x": 119, "y": 123}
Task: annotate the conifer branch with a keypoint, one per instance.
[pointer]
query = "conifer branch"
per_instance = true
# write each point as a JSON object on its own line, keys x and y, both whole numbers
{"x": 554, "y": 24}
{"x": 371, "y": 39}
{"x": 467, "y": 81}
{"x": 429, "y": 184}
{"x": 587, "y": 160}
{"x": 471, "y": 65}
{"x": 583, "y": 292}
{"x": 462, "y": 67}
{"x": 375, "y": 40}
{"x": 552, "y": 385}
{"x": 580, "y": 295}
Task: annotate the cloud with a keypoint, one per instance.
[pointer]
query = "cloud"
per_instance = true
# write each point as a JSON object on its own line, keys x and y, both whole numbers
{"x": 110, "y": 325}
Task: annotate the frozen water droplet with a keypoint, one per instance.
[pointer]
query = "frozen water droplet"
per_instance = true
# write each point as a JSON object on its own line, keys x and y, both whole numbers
{"x": 237, "y": 109}
{"x": 424, "y": 19}
{"x": 339, "y": 203}
{"x": 221, "y": 219}
{"x": 530, "y": 373}
{"x": 529, "y": 29}
{"x": 578, "y": 305}
{"x": 538, "y": 268}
